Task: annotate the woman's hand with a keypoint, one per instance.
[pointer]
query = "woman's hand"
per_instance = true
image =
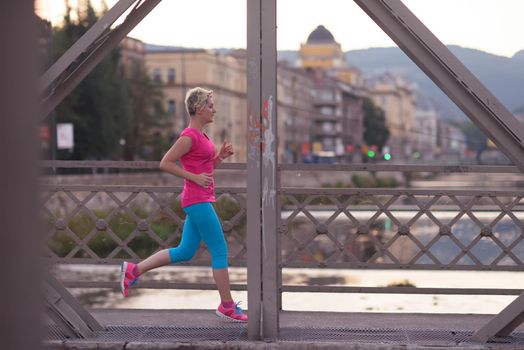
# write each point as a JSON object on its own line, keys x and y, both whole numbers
{"x": 203, "y": 179}
{"x": 226, "y": 150}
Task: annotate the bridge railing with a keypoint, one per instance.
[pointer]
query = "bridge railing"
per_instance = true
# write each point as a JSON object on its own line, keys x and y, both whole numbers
{"x": 341, "y": 228}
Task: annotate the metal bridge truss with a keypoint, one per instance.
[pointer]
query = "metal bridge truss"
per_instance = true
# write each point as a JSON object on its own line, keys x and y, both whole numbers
{"x": 417, "y": 41}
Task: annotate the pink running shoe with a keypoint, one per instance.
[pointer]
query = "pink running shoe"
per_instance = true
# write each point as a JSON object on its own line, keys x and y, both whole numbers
{"x": 127, "y": 277}
{"x": 234, "y": 313}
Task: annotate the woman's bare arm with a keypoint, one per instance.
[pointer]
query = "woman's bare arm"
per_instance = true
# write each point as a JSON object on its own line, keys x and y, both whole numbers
{"x": 169, "y": 163}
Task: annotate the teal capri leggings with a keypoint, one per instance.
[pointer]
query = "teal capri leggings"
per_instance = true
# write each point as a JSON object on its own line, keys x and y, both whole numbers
{"x": 201, "y": 224}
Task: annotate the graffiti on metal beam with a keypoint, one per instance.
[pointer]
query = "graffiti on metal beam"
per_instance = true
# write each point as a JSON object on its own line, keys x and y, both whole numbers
{"x": 260, "y": 133}
{"x": 268, "y": 152}
{"x": 254, "y": 127}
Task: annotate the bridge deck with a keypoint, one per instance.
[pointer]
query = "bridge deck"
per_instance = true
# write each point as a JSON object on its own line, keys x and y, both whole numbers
{"x": 170, "y": 329}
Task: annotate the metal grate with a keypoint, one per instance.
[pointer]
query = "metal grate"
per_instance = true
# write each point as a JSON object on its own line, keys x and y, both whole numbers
{"x": 387, "y": 335}
{"x": 55, "y": 333}
{"x": 238, "y": 332}
{"x": 228, "y": 332}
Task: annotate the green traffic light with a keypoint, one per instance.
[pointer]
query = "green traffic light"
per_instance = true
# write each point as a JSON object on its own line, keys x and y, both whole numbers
{"x": 371, "y": 154}
{"x": 387, "y": 156}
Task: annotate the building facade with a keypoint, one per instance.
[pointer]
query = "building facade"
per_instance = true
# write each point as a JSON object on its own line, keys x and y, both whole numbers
{"x": 295, "y": 113}
{"x": 352, "y": 122}
{"x": 177, "y": 70}
{"x": 321, "y": 51}
{"x": 451, "y": 142}
{"x": 327, "y": 132}
{"x": 397, "y": 99}
{"x": 132, "y": 53}
{"x": 427, "y": 124}
{"x": 319, "y": 111}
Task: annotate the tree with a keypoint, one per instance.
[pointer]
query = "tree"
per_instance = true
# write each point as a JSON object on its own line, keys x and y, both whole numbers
{"x": 100, "y": 106}
{"x": 475, "y": 139}
{"x": 147, "y": 116}
{"x": 375, "y": 129}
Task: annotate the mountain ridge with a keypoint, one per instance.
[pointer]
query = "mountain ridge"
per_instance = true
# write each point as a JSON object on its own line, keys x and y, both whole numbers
{"x": 503, "y": 76}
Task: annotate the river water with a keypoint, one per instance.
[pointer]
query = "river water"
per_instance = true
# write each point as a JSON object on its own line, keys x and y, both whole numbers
{"x": 507, "y": 230}
{"x": 343, "y": 302}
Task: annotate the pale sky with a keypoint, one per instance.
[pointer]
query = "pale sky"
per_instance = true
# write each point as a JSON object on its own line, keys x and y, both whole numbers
{"x": 494, "y": 26}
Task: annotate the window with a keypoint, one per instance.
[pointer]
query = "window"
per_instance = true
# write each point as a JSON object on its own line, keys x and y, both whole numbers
{"x": 171, "y": 107}
{"x": 327, "y": 127}
{"x": 157, "y": 75}
{"x": 171, "y": 76}
{"x": 326, "y": 110}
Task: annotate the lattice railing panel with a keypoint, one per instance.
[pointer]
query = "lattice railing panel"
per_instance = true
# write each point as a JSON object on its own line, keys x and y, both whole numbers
{"x": 106, "y": 224}
{"x": 372, "y": 228}
{"x": 418, "y": 229}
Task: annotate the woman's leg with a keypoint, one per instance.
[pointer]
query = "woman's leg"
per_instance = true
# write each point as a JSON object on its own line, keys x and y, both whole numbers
{"x": 221, "y": 277}
{"x": 204, "y": 218}
{"x": 183, "y": 252}
{"x": 158, "y": 259}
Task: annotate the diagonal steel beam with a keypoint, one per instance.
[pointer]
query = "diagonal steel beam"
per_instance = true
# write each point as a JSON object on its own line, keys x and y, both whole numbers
{"x": 469, "y": 94}
{"x": 504, "y": 323}
{"x": 84, "y": 43}
{"x": 80, "y": 59}
{"x": 450, "y": 75}
{"x": 58, "y": 82}
{"x": 67, "y": 313}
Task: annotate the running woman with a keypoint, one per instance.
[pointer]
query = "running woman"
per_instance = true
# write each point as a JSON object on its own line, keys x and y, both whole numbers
{"x": 196, "y": 152}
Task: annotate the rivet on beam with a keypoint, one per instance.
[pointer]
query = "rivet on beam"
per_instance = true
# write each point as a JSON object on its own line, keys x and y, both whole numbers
{"x": 101, "y": 225}
{"x": 143, "y": 225}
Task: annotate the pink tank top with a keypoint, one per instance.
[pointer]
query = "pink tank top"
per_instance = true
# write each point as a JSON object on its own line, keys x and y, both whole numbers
{"x": 198, "y": 160}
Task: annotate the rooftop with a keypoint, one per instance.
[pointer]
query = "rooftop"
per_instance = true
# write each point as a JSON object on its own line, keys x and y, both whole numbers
{"x": 320, "y": 35}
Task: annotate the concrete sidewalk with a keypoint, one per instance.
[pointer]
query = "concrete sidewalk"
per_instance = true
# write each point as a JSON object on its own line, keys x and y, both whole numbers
{"x": 201, "y": 329}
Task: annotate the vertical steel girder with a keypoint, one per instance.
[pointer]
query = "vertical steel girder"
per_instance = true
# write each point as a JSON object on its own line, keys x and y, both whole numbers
{"x": 253, "y": 203}
{"x": 89, "y": 50}
{"x": 270, "y": 207}
{"x": 262, "y": 207}
{"x": 469, "y": 94}
{"x": 450, "y": 75}
{"x": 20, "y": 302}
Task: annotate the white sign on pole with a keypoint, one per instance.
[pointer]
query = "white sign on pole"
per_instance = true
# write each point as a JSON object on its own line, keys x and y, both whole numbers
{"x": 64, "y": 136}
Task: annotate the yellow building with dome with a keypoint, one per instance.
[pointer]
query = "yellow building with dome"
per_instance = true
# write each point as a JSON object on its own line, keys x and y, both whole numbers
{"x": 388, "y": 91}
{"x": 321, "y": 51}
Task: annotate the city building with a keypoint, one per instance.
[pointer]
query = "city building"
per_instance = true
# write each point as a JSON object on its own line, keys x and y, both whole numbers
{"x": 397, "y": 99}
{"x": 178, "y": 69}
{"x": 132, "y": 53}
{"x": 451, "y": 141}
{"x": 352, "y": 121}
{"x": 295, "y": 113}
{"x": 327, "y": 131}
{"x": 321, "y": 51}
{"x": 427, "y": 124}
{"x": 337, "y": 126}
